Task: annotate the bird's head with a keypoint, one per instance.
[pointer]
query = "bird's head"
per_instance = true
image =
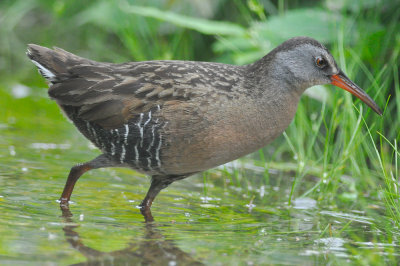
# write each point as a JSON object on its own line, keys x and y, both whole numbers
{"x": 304, "y": 62}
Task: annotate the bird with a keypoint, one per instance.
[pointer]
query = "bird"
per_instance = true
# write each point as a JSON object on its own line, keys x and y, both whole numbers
{"x": 170, "y": 119}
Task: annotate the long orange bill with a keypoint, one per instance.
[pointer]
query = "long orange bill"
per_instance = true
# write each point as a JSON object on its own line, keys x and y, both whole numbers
{"x": 342, "y": 81}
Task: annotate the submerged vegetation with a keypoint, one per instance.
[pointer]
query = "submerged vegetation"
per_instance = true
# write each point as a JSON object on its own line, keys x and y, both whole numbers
{"x": 337, "y": 152}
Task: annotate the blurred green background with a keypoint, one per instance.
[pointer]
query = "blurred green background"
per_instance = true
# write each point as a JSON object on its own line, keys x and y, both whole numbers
{"x": 349, "y": 152}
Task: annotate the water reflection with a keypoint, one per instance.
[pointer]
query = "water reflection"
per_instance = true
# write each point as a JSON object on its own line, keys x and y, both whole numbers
{"x": 153, "y": 249}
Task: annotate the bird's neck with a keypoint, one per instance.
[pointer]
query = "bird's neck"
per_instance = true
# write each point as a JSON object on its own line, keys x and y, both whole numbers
{"x": 272, "y": 76}
{"x": 275, "y": 98}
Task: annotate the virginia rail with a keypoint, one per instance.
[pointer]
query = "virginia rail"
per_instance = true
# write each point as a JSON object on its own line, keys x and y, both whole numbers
{"x": 171, "y": 119}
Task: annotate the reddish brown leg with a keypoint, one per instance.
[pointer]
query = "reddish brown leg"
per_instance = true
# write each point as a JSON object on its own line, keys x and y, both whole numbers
{"x": 76, "y": 172}
{"x": 73, "y": 176}
{"x": 157, "y": 184}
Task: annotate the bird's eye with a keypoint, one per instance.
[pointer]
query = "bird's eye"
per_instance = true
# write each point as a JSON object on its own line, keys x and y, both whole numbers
{"x": 320, "y": 62}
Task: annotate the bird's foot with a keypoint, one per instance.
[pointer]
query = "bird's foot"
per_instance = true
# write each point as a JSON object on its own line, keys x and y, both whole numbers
{"x": 64, "y": 203}
{"x": 64, "y": 206}
{"x": 146, "y": 212}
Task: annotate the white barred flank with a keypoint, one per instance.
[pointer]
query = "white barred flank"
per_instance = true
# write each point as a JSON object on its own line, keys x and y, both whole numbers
{"x": 112, "y": 149}
{"x": 152, "y": 136}
{"x": 123, "y": 151}
{"x": 126, "y": 134}
{"x": 137, "y": 143}
{"x": 140, "y": 128}
{"x": 158, "y": 151}
{"x": 136, "y": 155}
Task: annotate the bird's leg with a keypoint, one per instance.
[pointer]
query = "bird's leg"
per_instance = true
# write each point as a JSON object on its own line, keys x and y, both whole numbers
{"x": 76, "y": 172}
{"x": 157, "y": 184}
{"x": 73, "y": 176}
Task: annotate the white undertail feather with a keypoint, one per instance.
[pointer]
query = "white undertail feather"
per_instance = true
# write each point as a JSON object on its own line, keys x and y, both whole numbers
{"x": 47, "y": 74}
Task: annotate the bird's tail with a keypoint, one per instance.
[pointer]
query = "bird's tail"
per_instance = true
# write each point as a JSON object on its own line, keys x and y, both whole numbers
{"x": 53, "y": 65}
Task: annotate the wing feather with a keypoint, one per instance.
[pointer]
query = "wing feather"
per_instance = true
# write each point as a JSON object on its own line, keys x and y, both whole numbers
{"x": 111, "y": 94}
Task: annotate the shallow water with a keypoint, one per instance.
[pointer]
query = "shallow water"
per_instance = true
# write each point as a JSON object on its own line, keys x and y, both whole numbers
{"x": 228, "y": 216}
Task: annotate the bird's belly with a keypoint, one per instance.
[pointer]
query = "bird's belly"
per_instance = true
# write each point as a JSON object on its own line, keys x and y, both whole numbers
{"x": 217, "y": 144}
